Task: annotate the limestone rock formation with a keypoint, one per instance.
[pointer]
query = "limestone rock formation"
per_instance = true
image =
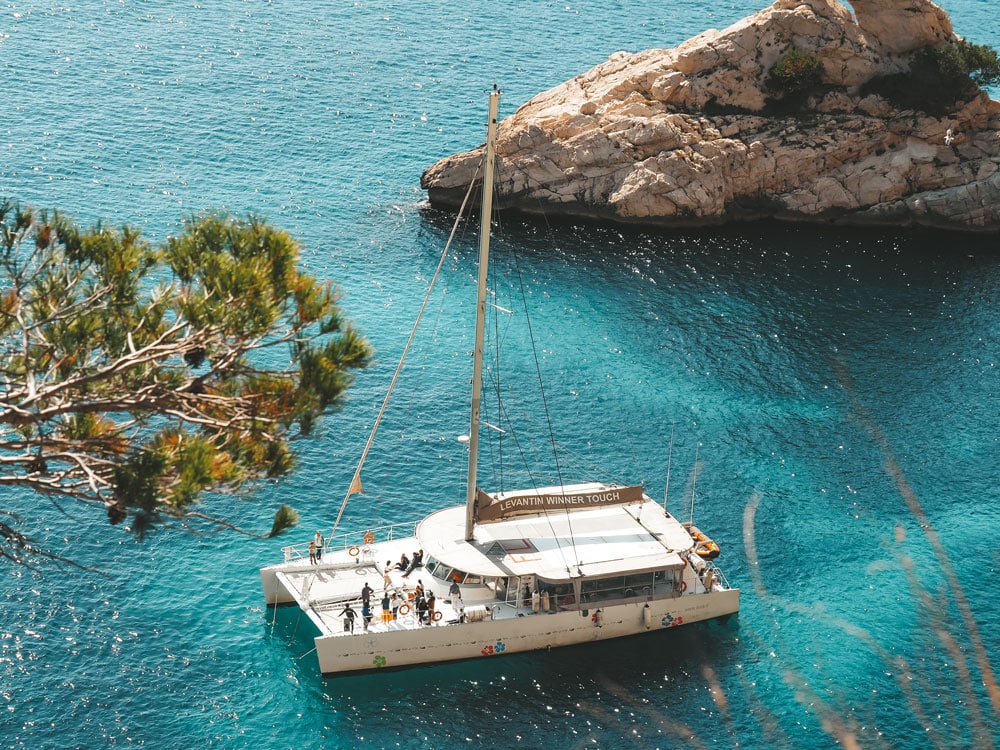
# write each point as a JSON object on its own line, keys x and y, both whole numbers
{"x": 694, "y": 135}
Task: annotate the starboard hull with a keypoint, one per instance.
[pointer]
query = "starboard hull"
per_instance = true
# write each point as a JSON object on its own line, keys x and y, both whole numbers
{"x": 434, "y": 644}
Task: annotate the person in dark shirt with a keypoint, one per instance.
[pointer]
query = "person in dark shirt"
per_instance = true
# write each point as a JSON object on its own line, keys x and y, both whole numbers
{"x": 431, "y": 602}
{"x": 349, "y": 615}
{"x": 416, "y": 562}
{"x": 386, "y": 614}
{"x": 366, "y": 595}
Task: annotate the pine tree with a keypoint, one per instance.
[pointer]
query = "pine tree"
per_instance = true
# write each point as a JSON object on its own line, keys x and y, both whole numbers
{"x": 139, "y": 378}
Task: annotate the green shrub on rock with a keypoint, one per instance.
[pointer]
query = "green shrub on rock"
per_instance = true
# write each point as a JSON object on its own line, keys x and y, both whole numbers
{"x": 795, "y": 73}
{"x": 939, "y": 77}
{"x": 962, "y": 59}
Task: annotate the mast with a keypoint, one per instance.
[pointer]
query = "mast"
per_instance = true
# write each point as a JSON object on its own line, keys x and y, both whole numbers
{"x": 484, "y": 258}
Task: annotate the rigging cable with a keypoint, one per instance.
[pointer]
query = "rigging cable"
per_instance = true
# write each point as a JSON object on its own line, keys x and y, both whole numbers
{"x": 355, "y": 485}
{"x": 545, "y": 410}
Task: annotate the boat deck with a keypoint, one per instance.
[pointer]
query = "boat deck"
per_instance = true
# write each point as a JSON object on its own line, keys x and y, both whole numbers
{"x": 324, "y": 590}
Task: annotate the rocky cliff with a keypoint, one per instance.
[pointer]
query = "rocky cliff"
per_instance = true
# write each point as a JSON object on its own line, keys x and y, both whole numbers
{"x": 698, "y": 134}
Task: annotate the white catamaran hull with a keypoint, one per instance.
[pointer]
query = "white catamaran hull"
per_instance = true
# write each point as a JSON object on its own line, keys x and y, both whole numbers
{"x": 482, "y": 625}
{"x": 489, "y": 638}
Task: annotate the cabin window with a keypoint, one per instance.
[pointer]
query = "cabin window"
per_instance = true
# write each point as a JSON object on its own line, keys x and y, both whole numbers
{"x": 596, "y": 589}
{"x": 431, "y": 565}
{"x": 441, "y": 572}
{"x": 642, "y": 583}
{"x": 561, "y": 595}
{"x": 618, "y": 587}
{"x": 447, "y": 573}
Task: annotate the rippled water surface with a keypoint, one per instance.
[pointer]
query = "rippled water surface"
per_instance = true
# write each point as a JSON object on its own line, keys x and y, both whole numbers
{"x": 837, "y": 392}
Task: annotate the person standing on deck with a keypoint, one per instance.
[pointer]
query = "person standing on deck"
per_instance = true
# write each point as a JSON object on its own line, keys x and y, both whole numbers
{"x": 386, "y": 614}
{"x": 312, "y": 551}
{"x": 386, "y": 580}
{"x": 366, "y": 595}
{"x": 349, "y": 615}
{"x": 319, "y": 547}
{"x": 431, "y": 601}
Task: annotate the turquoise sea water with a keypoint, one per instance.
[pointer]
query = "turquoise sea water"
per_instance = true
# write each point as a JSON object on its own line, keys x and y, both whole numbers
{"x": 837, "y": 390}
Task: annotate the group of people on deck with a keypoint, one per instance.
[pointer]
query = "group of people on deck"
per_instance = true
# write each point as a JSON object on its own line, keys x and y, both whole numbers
{"x": 422, "y": 603}
{"x": 423, "y": 606}
{"x": 407, "y": 565}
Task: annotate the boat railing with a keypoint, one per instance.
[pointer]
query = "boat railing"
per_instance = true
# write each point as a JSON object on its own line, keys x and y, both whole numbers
{"x": 363, "y": 542}
{"x": 718, "y": 575}
{"x": 336, "y": 602}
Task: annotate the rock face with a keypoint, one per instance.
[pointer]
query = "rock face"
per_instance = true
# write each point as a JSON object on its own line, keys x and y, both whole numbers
{"x": 689, "y": 136}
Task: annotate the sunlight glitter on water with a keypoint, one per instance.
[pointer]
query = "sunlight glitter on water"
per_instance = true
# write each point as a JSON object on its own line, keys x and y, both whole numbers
{"x": 323, "y": 122}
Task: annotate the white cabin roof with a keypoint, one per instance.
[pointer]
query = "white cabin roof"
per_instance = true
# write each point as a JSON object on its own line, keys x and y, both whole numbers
{"x": 561, "y": 545}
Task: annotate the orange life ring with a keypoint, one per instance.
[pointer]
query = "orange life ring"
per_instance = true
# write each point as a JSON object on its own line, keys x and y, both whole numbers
{"x": 369, "y": 538}
{"x": 353, "y": 551}
{"x": 404, "y": 609}
{"x": 437, "y": 616}
{"x": 683, "y": 587}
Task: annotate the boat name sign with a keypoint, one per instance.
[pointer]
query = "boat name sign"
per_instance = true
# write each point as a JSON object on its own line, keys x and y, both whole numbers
{"x": 493, "y": 509}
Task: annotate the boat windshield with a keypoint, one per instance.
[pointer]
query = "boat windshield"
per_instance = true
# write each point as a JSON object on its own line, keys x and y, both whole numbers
{"x": 447, "y": 573}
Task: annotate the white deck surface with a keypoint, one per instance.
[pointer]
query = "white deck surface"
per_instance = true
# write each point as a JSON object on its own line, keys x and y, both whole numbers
{"x": 560, "y": 546}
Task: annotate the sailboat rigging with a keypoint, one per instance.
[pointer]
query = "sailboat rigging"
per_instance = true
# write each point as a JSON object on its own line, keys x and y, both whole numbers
{"x": 509, "y": 571}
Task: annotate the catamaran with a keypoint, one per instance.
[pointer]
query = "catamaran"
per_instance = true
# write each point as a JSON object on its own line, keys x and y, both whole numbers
{"x": 507, "y": 572}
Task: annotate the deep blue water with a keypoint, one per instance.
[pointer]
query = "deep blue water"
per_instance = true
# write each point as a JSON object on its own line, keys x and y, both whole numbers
{"x": 838, "y": 392}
